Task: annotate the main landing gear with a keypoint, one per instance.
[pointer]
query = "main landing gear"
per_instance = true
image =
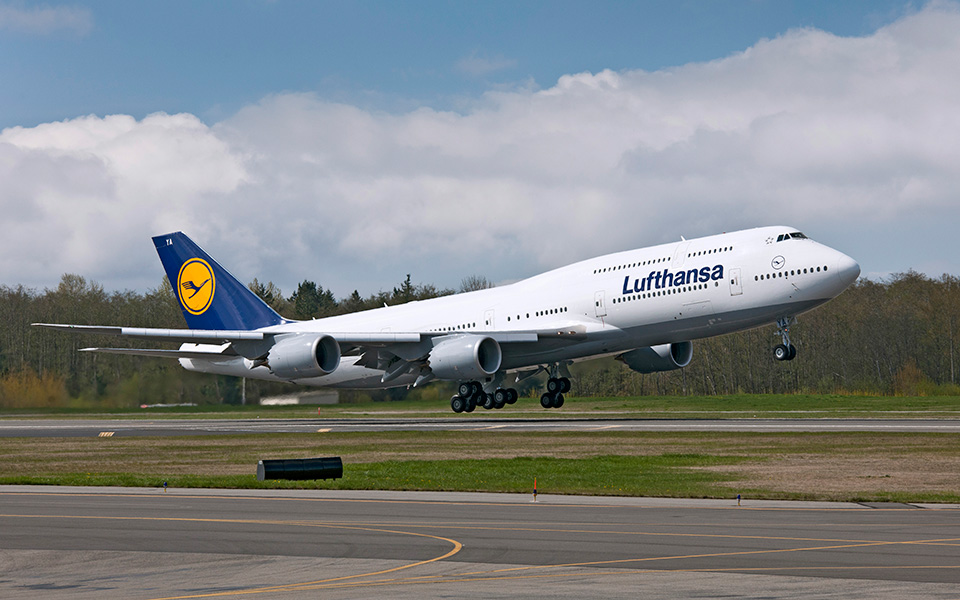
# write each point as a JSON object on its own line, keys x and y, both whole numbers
{"x": 784, "y": 350}
{"x": 556, "y": 388}
{"x": 470, "y": 395}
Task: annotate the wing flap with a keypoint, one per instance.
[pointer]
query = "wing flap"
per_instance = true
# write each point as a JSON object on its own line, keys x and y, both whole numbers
{"x": 156, "y": 353}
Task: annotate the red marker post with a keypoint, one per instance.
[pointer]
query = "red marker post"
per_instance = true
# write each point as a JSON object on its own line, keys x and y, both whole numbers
{"x": 534, "y": 489}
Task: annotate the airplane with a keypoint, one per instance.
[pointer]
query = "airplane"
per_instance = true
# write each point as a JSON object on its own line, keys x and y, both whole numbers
{"x": 644, "y": 307}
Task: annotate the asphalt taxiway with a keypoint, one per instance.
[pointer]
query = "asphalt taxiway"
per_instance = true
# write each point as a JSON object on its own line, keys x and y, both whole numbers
{"x": 151, "y": 544}
{"x": 18, "y": 427}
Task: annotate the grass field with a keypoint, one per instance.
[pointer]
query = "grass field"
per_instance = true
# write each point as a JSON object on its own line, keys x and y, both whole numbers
{"x": 823, "y": 466}
{"x": 736, "y": 406}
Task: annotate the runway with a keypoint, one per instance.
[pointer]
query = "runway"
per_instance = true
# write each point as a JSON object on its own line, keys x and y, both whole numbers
{"x": 178, "y": 427}
{"x": 147, "y": 544}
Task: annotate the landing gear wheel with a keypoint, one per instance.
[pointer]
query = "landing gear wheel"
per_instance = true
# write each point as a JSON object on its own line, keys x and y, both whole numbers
{"x": 554, "y": 385}
{"x": 781, "y": 352}
{"x": 471, "y": 405}
{"x": 564, "y": 385}
{"x": 498, "y": 404}
{"x": 500, "y": 396}
{"x": 512, "y": 396}
{"x": 546, "y": 401}
{"x": 466, "y": 389}
{"x": 487, "y": 401}
{"x": 785, "y": 350}
{"x": 558, "y": 401}
{"x": 458, "y": 404}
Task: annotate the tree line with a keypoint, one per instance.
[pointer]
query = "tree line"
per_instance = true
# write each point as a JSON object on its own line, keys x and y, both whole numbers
{"x": 895, "y": 336}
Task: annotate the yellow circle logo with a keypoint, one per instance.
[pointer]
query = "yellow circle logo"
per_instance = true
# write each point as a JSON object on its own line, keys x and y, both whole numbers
{"x": 195, "y": 286}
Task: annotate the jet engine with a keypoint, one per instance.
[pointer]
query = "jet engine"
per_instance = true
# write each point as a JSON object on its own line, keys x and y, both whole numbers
{"x": 665, "y": 357}
{"x": 465, "y": 357}
{"x": 303, "y": 355}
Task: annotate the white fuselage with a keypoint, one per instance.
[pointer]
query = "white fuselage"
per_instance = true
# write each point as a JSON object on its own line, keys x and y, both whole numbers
{"x": 663, "y": 294}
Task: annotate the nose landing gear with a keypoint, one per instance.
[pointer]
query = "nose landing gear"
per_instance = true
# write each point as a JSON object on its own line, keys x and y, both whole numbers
{"x": 785, "y": 350}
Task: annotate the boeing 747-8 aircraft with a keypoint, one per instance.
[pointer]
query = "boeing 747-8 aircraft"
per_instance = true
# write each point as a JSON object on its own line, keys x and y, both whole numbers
{"x": 643, "y": 306}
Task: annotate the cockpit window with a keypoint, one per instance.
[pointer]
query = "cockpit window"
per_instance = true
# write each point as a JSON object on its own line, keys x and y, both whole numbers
{"x": 796, "y": 235}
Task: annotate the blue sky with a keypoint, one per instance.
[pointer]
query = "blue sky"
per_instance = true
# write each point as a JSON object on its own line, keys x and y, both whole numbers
{"x": 352, "y": 143}
{"x": 212, "y": 58}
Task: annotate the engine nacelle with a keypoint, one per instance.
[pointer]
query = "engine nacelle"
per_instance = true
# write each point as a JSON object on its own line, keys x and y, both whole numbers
{"x": 304, "y": 355}
{"x": 465, "y": 358}
{"x": 665, "y": 357}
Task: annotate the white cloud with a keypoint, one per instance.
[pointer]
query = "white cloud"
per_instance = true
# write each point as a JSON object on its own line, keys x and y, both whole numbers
{"x": 44, "y": 20}
{"x": 838, "y": 136}
{"x": 83, "y": 195}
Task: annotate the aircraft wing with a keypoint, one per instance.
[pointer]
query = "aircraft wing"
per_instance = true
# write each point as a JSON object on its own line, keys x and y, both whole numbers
{"x": 196, "y": 336}
{"x": 395, "y": 353}
{"x": 200, "y": 336}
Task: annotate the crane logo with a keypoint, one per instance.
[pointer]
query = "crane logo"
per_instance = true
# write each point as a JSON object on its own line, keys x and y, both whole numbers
{"x": 195, "y": 286}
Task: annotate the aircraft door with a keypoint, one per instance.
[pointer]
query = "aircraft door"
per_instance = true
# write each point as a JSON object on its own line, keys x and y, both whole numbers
{"x": 488, "y": 323}
{"x": 736, "y": 286}
{"x": 598, "y": 300}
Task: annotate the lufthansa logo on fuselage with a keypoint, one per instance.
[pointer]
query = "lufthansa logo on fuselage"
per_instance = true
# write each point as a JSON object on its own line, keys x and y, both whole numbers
{"x": 656, "y": 280}
{"x": 195, "y": 286}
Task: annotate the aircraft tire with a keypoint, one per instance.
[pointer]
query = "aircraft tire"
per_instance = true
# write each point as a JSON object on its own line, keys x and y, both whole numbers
{"x": 546, "y": 401}
{"x": 558, "y": 401}
{"x": 512, "y": 396}
{"x": 458, "y": 404}
{"x": 781, "y": 352}
{"x": 488, "y": 402}
{"x": 465, "y": 388}
{"x": 500, "y": 396}
{"x": 792, "y": 352}
{"x": 554, "y": 385}
{"x": 564, "y": 385}
{"x": 471, "y": 405}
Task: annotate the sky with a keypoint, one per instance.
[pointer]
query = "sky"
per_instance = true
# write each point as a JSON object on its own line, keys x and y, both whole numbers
{"x": 352, "y": 143}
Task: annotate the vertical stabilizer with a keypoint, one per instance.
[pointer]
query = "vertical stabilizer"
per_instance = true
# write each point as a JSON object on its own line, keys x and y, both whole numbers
{"x": 209, "y": 296}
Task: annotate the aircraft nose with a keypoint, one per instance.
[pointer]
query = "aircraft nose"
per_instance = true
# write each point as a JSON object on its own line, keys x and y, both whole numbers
{"x": 847, "y": 269}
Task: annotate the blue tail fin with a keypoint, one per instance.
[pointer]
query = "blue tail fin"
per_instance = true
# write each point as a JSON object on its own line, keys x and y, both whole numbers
{"x": 210, "y": 297}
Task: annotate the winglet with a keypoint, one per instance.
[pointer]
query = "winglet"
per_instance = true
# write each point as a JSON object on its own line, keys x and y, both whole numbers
{"x": 210, "y": 297}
